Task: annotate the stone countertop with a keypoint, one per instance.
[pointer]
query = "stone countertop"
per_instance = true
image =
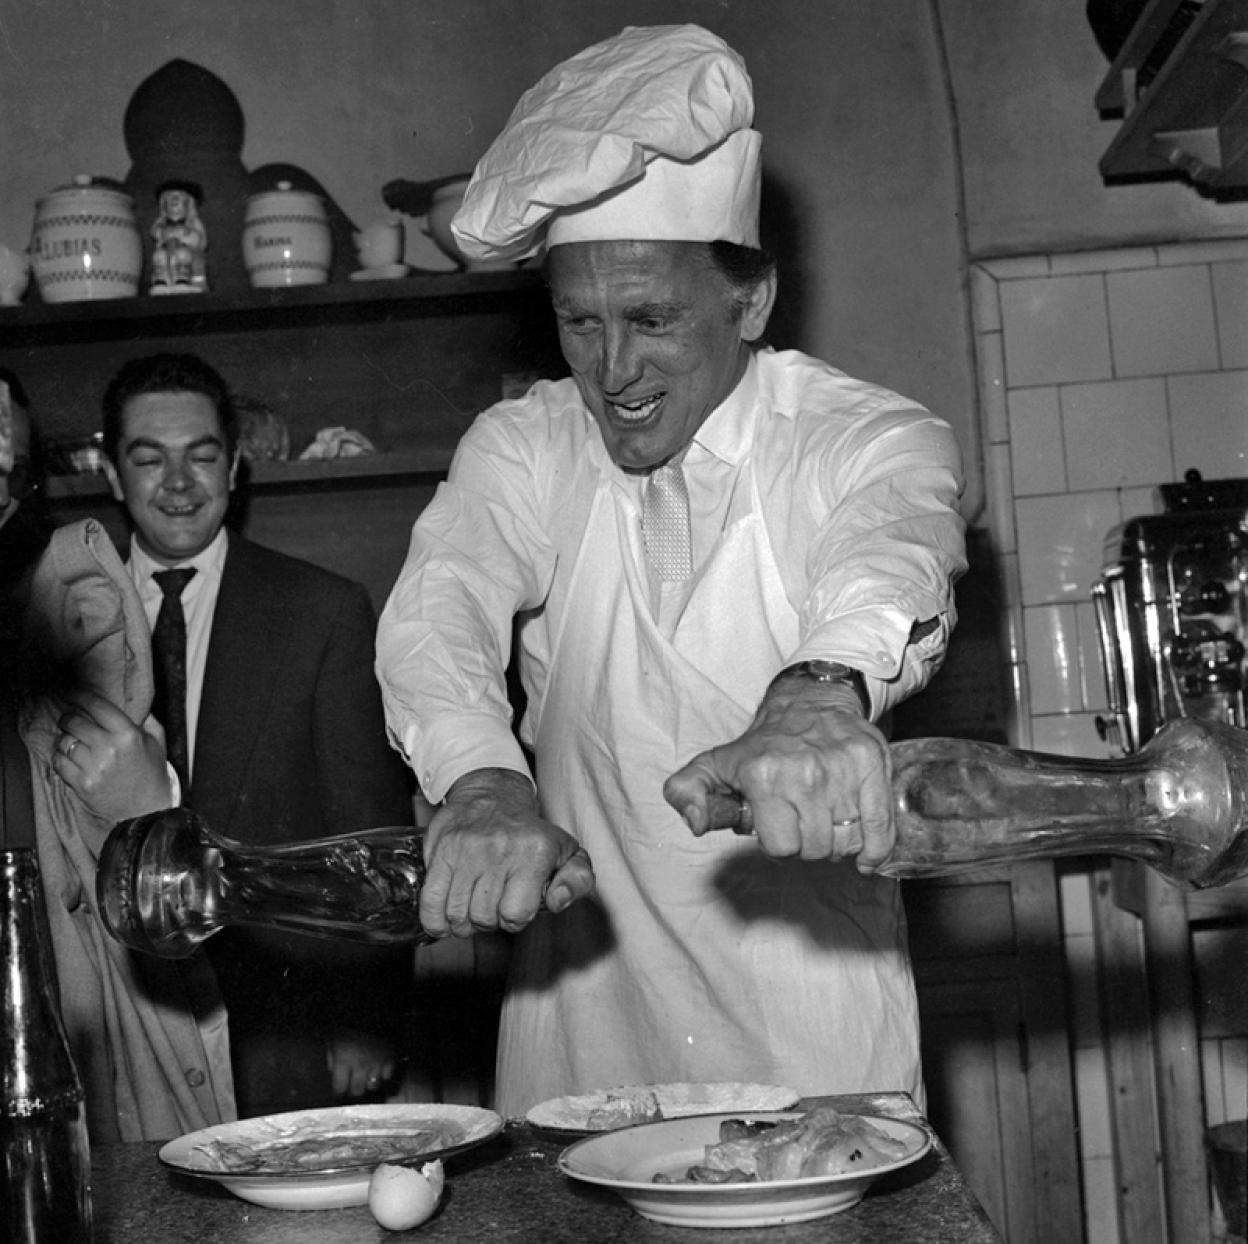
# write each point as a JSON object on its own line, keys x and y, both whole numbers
{"x": 511, "y": 1189}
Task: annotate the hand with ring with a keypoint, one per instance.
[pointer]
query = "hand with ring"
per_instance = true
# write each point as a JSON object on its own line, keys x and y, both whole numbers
{"x": 813, "y": 775}
{"x": 115, "y": 767}
{"x": 741, "y": 817}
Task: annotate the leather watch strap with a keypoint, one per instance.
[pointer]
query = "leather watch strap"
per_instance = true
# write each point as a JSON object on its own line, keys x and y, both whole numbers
{"x": 829, "y": 672}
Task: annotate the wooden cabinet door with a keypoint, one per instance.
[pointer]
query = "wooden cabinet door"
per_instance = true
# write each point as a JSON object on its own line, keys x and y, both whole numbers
{"x": 997, "y": 1066}
{"x": 975, "y": 1074}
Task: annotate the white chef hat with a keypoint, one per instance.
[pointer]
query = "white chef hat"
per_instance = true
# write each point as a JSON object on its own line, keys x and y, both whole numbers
{"x": 644, "y": 136}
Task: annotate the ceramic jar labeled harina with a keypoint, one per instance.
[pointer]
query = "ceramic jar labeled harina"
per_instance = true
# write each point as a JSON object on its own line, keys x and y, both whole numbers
{"x": 286, "y": 238}
{"x": 86, "y": 243}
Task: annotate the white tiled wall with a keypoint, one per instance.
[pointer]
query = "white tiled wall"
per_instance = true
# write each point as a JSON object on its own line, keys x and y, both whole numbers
{"x": 1102, "y": 374}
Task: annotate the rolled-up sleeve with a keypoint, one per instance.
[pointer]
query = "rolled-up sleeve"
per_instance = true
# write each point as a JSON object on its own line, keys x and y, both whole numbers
{"x": 885, "y": 552}
{"x": 477, "y": 557}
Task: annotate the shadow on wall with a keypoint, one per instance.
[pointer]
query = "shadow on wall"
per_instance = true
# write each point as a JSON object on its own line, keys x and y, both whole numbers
{"x": 969, "y": 696}
{"x": 781, "y": 235}
{"x": 185, "y": 124}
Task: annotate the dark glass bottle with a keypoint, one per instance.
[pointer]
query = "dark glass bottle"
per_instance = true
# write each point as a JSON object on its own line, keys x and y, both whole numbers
{"x": 43, "y": 1117}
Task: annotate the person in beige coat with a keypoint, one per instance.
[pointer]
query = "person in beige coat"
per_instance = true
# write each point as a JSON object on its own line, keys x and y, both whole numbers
{"x": 149, "y": 1036}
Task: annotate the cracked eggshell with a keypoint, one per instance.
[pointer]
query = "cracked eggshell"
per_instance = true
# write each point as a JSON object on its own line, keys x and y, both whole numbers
{"x": 402, "y": 1197}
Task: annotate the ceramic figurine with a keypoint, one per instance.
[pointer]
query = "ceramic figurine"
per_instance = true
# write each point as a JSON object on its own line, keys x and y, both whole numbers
{"x": 180, "y": 241}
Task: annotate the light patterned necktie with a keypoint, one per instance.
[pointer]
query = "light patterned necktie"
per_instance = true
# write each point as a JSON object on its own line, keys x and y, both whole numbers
{"x": 169, "y": 667}
{"x": 665, "y": 523}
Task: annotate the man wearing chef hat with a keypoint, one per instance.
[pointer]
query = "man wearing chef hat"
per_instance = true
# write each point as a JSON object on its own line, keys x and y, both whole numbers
{"x": 726, "y": 562}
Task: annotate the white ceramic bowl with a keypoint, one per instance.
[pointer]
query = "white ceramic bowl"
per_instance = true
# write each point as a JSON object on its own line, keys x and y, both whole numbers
{"x": 286, "y": 238}
{"x": 570, "y": 1116}
{"x": 628, "y": 1160}
{"x": 465, "y": 1127}
{"x": 444, "y": 205}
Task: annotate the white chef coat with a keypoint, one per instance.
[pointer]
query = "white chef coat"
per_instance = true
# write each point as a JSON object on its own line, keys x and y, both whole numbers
{"x": 859, "y": 491}
{"x": 824, "y": 526}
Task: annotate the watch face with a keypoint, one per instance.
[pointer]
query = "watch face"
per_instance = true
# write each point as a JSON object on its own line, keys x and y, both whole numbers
{"x": 831, "y": 672}
{"x": 824, "y": 671}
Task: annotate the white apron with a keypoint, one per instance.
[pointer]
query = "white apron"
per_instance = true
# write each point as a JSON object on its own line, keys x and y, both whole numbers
{"x": 697, "y": 958}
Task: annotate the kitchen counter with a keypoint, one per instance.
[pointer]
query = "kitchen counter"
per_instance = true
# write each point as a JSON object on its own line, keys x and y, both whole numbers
{"x": 512, "y": 1190}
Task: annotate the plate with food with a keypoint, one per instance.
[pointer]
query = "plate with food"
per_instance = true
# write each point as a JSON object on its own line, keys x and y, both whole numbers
{"x": 323, "y": 1159}
{"x": 755, "y": 1169}
{"x": 586, "y": 1114}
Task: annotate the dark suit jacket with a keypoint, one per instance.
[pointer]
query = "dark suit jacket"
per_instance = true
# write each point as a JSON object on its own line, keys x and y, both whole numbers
{"x": 291, "y": 744}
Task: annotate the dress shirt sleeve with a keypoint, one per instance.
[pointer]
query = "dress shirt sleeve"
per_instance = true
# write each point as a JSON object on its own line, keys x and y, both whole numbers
{"x": 887, "y": 548}
{"x": 175, "y": 786}
{"x": 478, "y": 555}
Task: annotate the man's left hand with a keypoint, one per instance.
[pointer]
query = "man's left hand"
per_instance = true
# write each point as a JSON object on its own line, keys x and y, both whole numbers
{"x": 115, "y": 767}
{"x": 814, "y": 772}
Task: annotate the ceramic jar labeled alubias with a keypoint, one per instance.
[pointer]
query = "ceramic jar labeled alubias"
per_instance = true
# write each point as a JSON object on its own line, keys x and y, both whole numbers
{"x": 286, "y": 238}
{"x": 86, "y": 243}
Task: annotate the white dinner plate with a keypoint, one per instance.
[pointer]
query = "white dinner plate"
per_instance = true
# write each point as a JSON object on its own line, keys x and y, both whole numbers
{"x": 627, "y": 1161}
{"x": 569, "y": 1116}
{"x": 334, "y": 1187}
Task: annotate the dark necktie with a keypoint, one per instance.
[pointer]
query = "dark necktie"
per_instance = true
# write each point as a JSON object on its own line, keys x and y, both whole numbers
{"x": 665, "y": 523}
{"x": 169, "y": 667}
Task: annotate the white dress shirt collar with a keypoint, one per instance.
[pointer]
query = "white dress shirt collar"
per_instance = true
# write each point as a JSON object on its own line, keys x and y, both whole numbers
{"x": 208, "y": 561}
{"x": 728, "y": 431}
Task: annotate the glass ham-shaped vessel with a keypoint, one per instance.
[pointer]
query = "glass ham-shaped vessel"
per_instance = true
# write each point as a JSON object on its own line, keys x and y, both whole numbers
{"x": 1180, "y": 805}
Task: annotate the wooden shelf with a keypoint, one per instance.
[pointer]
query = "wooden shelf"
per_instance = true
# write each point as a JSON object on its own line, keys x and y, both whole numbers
{"x": 1180, "y": 82}
{"x": 316, "y": 475}
{"x": 407, "y": 362}
{"x": 414, "y": 296}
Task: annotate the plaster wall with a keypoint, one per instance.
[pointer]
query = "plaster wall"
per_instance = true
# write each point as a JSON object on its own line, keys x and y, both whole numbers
{"x": 1025, "y": 76}
{"x": 901, "y": 137}
{"x": 860, "y": 195}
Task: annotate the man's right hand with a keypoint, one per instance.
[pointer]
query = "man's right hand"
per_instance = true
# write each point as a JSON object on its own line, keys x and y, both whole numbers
{"x": 491, "y": 859}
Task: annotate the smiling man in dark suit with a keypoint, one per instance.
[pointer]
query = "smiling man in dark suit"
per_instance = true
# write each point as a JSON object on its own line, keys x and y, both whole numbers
{"x": 274, "y": 723}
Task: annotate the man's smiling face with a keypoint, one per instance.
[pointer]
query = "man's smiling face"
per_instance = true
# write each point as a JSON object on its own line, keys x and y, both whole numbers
{"x": 173, "y": 473}
{"x": 654, "y": 340}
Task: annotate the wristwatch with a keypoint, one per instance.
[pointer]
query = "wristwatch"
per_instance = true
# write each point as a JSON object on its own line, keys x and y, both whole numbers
{"x": 830, "y": 672}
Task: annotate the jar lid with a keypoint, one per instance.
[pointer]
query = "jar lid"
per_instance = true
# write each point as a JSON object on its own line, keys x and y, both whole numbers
{"x": 284, "y": 193}
{"x": 84, "y": 184}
